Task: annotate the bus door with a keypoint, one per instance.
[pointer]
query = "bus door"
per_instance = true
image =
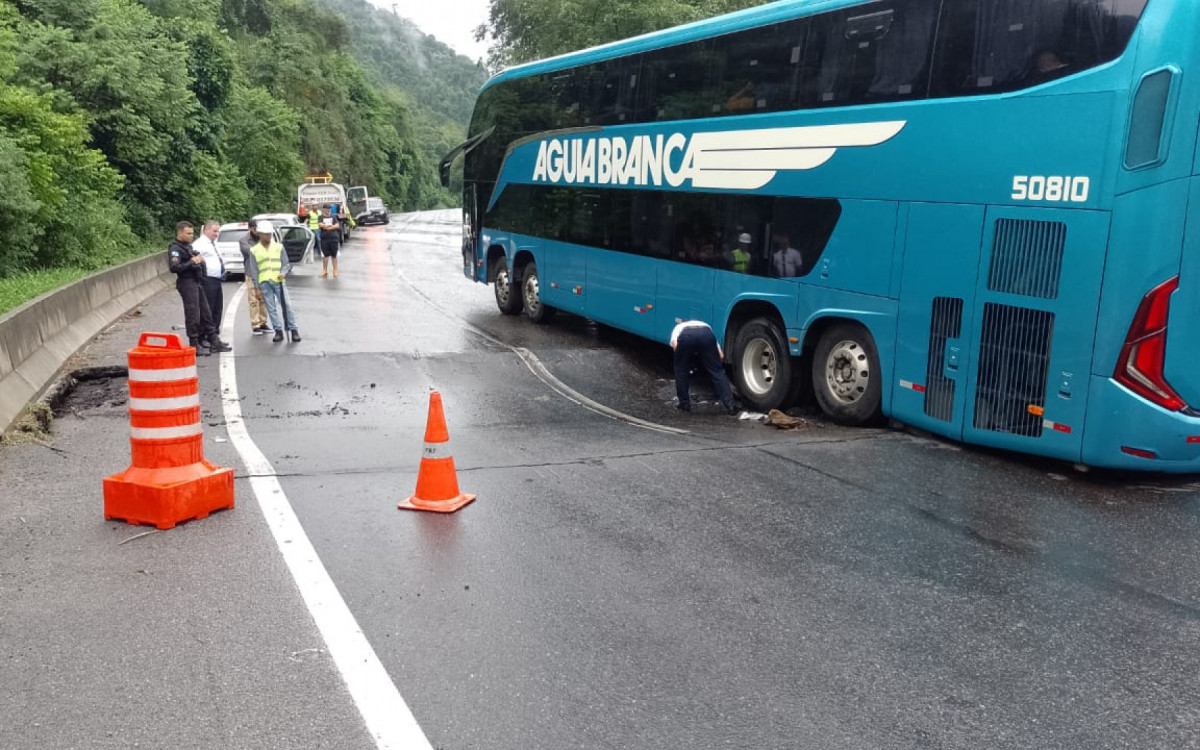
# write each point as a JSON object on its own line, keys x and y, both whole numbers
{"x": 621, "y": 289}
{"x": 684, "y": 292}
{"x": 1035, "y": 328}
{"x": 937, "y": 302}
{"x": 564, "y": 280}
{"x": 470, "y": 237}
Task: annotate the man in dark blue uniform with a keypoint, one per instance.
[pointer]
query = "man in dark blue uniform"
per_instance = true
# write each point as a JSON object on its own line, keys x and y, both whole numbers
{"x": 188, "y": 266}
{"x": 694, "y": 340}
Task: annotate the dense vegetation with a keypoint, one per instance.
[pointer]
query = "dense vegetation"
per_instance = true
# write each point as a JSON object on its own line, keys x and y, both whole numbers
{"x": 119, "y": 118}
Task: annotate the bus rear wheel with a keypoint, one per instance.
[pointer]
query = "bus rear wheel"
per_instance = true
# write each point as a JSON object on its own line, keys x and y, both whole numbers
{"x": 762, "y": 367}
{"x": 507, "y": 298}
{"x": 845, "y": 375}
{"x": 531, "y": 293}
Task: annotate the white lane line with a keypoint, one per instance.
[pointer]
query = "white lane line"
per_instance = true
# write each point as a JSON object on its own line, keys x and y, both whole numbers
{"x": 542, "y": 373}
{"x": 387, "y": 716}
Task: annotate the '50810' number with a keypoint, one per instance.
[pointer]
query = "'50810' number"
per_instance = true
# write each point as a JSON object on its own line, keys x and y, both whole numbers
{"x": 1054, "y": 189}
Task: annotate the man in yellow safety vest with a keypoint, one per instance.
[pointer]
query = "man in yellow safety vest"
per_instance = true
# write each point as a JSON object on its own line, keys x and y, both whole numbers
{"x": 314, "y": 224}
{"x": 271, "y": 269}
{"x": 739, "y": 257}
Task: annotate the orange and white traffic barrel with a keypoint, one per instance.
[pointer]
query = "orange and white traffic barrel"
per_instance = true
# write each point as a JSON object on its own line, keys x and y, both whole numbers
{"x": 168, "y": 481}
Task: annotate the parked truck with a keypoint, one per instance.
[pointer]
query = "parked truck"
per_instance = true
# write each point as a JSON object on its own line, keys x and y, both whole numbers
{"x": 324, "y": 192}
{"x": 356, "y": 202}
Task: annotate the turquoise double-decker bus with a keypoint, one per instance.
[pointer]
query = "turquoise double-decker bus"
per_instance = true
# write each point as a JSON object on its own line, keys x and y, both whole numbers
{"x": 977, "y": 217}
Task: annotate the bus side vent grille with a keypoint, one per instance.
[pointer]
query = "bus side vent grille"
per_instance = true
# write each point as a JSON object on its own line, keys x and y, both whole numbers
{"x": 1027, "y": 257}
{"x": 1014, "y": 359}
{"x": 946, "y": 323}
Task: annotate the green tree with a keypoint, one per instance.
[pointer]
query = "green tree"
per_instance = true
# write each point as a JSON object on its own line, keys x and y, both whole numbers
{"x": 262, "y": 138}
{"x": 58, "y": 199}
{"x": 132, "y": 80}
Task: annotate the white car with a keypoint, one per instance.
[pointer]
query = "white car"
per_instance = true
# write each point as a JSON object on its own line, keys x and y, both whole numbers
{"x": 296, "y": 240}
{"x": 229, "y": 250}
{"x": 296, "y": 237}
{"x": 280, "y": 220}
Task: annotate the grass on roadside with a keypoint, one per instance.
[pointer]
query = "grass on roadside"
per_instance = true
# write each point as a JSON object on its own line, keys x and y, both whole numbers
{"x": 17, "y": 290}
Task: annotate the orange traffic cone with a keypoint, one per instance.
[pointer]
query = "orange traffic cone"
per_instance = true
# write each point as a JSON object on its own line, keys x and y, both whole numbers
{"x": 169, "y": 481}
{"x": 437, "y": 482}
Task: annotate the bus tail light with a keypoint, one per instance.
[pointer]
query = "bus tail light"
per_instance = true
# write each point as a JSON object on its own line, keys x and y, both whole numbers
{"x": 1143, "y": 358}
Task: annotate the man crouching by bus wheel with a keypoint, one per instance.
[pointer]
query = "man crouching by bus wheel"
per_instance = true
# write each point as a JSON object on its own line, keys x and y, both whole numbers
{"x": 691, "y": 340}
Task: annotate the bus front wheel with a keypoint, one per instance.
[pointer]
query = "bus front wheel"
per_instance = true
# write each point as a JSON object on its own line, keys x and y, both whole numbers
{"x": 507, "y": 298}
{"x": 531, "y": 293}
{"x": 762, "y": 367}
{"x": 845, "y": 375}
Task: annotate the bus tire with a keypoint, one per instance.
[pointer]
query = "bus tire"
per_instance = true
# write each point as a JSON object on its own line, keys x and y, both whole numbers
{"x": 507, "y": 297}
{"x": 762, "y": 367}
{"x": 531, "y": 295}
{"x": 845, "y": 375}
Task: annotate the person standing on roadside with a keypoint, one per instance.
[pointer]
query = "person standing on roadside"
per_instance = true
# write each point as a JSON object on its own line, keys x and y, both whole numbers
{"x": 254, "y": 295}
{"x": 692, "y": 340}
{"x": 314, "y": 225}
{"x": 331, "y": 242}
{"x": 271, "y": 267}
{"x": 189, "y": 268}
{"x": 206, "y": 245}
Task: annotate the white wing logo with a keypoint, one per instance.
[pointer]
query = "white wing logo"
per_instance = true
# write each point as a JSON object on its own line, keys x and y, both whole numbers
{"x": 728, "y": 159}
{"x": 749, "y": 159}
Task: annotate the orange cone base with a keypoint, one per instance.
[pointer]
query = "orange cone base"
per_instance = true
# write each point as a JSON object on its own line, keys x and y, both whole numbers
{"x": 436, "y": 506}
{"x": 163, "y": 505}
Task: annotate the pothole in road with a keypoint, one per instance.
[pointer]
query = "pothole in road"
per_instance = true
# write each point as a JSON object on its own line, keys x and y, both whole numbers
{"x": 91, "y": 388}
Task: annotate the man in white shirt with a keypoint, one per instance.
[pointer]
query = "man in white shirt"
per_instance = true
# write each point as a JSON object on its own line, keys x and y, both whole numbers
{"x": 693, "y": 339}
{"x": 206, "y": 245}
{"x": 786, "y": 260}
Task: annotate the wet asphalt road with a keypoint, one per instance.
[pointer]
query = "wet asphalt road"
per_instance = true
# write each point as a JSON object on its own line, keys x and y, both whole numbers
{"x": 732, "y": 587}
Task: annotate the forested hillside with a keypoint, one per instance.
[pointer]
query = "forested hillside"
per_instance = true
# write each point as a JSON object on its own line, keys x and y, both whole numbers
{"x": 439, "y": 84}
{"x": 119, "y": 118}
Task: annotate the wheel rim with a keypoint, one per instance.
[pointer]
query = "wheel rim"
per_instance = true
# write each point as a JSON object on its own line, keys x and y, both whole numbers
{"x": 533, "y": 299}
{"x": 503, "y": 287}
{"x": 760, "y": 367}
{"x": 847, "y": 372}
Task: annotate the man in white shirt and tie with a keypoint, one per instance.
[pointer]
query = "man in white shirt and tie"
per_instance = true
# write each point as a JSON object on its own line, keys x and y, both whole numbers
{"x": 786, "y": 260}
{"x": 206, "y": 245}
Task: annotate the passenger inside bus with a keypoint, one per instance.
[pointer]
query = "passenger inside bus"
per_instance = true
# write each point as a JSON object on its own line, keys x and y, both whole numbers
{"x": 786, "y": 261}
{"x": 1048, "y": 66}
{"x": 739, "y": 257}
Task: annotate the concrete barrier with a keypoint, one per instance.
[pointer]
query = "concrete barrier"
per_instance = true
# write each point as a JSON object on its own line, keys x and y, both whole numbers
{"x": 37, "y": 338}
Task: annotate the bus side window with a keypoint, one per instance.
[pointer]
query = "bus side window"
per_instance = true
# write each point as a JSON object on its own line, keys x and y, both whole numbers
{"x": 676, "y": 82}
{"x": 984, "y": 47}
{"x": 800, "y": 231}
{"x": 904, "y": 52}
{"x": 609, "y": 91}
{"x": 565, "y": 92}
{"x": 757, "y": 69}
{"x": 854, "y": 57}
